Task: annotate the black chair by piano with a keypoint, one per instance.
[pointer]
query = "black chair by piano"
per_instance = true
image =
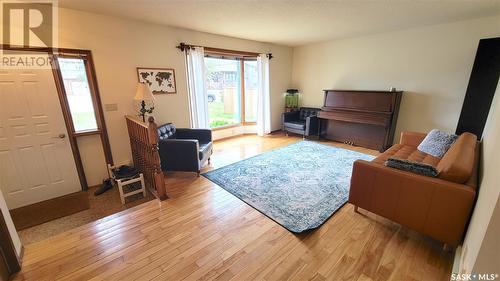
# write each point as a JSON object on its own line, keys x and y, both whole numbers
{"x": 303, "y": 122}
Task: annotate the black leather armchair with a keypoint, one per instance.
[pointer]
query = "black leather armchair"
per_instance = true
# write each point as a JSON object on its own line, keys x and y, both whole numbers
{"x": 184, "y": 149}
{"x": 303, "y": 122}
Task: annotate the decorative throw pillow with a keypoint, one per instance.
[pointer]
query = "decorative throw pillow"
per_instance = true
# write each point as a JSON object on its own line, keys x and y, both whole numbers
{"x": 437, "y": 142}
{"x": 411, "y": 166}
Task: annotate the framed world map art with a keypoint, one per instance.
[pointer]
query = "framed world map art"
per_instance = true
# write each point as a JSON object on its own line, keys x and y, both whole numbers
{"x": 159, "y": 80}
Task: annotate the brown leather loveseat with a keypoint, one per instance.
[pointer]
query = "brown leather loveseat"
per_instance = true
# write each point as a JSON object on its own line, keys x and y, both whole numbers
{"x": 439, "y": 207}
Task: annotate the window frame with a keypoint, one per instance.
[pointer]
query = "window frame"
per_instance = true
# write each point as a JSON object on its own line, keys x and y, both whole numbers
{"x": 97, "y": 116}
{"x": 243, "y": 91}
{"x": 241, "y": 57}
{"x": 86, "y": 57}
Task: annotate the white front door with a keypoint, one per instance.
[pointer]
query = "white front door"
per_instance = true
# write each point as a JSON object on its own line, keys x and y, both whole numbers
{"x": 36, "y": 161}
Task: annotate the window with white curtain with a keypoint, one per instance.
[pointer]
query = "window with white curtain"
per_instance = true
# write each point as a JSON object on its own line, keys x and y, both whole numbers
{"x": 231, "y": 84}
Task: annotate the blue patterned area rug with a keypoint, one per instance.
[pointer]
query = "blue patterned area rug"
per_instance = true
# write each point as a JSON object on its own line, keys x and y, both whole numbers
{"x": 299, "y": 186}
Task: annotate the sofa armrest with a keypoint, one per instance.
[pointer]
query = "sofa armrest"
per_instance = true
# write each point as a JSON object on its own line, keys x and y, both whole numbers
{"x": 432, "y": 206}
{"x": 412, "y": 138}
{"x": 202, "y": 135}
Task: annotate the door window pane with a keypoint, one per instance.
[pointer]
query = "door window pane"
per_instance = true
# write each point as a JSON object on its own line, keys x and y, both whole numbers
{"x": 78, "y": 93}
{"x": 251, "y": 80}
{"x": 223, "y": 78}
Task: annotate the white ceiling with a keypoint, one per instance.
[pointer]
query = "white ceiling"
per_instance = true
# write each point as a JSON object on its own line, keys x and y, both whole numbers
{"x": 291, "y": 22}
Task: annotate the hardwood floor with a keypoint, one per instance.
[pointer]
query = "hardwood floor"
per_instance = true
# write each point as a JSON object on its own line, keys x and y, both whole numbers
{"x": 101, "y": 206}
{"x": 203, "y": 233}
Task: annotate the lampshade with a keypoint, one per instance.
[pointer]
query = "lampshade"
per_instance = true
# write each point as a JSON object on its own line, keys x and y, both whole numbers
{"x": 143, "y": 93}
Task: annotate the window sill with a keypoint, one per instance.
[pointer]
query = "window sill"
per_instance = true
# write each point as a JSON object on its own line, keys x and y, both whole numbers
{"x": 234, "y": 126}
{"x": 226, "y": 127}
{"x": 241, "y": 129}
{"x": 86, "y": 133}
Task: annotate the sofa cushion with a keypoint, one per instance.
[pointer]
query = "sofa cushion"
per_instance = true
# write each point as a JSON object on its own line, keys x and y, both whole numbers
{"x": 204, "y": 149}
{"x": 458, "y": 163}
{"x": 413, "y": 167}
{"x": 297, "y": 125}
{"x": 406, "y": 152}
{"x": 436, "y": 143}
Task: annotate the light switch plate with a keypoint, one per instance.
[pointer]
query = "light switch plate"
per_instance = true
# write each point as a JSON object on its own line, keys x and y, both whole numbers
{"x": 111, "y": 107}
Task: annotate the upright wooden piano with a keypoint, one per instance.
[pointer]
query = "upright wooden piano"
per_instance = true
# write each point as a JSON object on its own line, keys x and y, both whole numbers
{"x": 361, "y": 118}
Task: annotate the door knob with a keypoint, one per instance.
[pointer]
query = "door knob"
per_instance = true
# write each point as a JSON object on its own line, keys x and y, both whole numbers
{"x": 60, "y": 136}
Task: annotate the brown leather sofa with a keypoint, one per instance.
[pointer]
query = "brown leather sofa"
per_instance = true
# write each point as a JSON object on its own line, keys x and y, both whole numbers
{"x": 439, "y": 207}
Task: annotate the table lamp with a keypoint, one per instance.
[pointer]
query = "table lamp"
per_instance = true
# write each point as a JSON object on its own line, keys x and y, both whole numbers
{"x": 144, "y": 94}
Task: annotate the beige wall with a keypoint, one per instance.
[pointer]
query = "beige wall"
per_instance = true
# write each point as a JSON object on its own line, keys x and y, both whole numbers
{"x": 93, "y": 160}
{"x": 431, "y": 64}
{"x": 479, "y": 254}
{"x": 119, "y": 46}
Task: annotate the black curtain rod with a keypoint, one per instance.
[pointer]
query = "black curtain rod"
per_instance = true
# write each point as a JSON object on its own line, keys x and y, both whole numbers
{"x": 183, "y": 47}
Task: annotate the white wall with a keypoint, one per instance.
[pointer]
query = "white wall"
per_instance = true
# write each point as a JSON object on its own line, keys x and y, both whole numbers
{"x": 431, "y": 64}
{"x": 478, "y": 250}
{"x": 119, "y": 46}
{"x": 10, "y": 225}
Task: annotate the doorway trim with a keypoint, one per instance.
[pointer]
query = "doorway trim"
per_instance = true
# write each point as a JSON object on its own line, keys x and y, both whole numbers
{"x": 92, "y": 79}
{"x": 86, "y": 56}
{"x": 7, "y": 249}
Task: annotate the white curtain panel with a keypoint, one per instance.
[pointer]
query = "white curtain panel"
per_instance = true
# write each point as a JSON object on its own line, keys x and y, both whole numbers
{"x": 198, "y": 103}
{"x": 263, "y": 96}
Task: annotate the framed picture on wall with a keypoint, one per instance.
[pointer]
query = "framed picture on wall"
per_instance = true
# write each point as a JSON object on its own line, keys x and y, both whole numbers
{"x": 160, "y": 80}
